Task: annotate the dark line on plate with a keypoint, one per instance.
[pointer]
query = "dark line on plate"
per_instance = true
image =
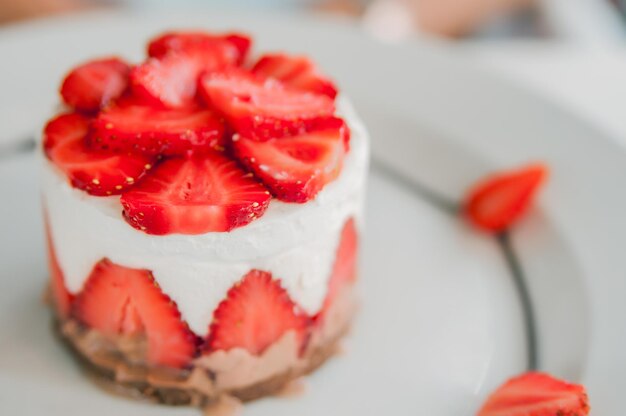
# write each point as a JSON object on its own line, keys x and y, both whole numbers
{"x": 519, "y": 278}
{"x": 17, "y": 147}
{"x": 503, "y": 240}
{"x": 422, "y": 191}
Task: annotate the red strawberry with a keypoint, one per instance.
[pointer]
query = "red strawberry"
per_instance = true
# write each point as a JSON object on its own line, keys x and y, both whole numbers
{"x": 196, "y": 195}
{"x": 128, "y": 127}
{"x": 537, "y": 394}
{"x": 344, "y": 269}
{"x": 242, "y": 42}
{"x": 98, "y": 173}
{"x": 256, "y": 312}
{"x": 62, "y": 297}
{"x": 185, "y": 40}
{"x": 131, "y": 321}
{"x": 295, "y": 71}
{"x": 263, "y": 109}
{"x": 94, "y": 84}
{"x": 119, "y": 300}
{"x": 171, "y": 79}
{"x": 296, "y": 168}
{"x": 502, "y": 199}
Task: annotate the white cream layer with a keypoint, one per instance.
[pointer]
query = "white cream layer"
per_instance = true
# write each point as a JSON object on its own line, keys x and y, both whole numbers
{"x": 295, "y": 242}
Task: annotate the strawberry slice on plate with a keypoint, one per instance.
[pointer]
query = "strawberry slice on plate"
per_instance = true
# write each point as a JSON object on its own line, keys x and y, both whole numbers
{"x": 98, "y": 173}
{"x": 263, "y": 109}
{"x": 118, "y": 300}
{"x": 195, "y": 195}
{"x": 502, "y": 199}
{"x": 256, "y": 313}
{"x": 296, "y": 168}
{"x": 184, "y": 40}
{"x": 344, "y": 268}
{"x": 537, "y": 394}
{"x": 94, "y": 84}
{"x": 295, "y": 71}
{"x": 170, "y": 80}
{"x": 129, "y": 127}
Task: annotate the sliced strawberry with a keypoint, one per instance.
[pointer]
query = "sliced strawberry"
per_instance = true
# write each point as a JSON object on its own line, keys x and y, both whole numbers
{"x": 98, "y": 173}
{"x": 200, "y": 194}
{"x": 94, "y": 84}
{"x": 128, "y": 127}
{"x": 500, "y": 200}
{"x": 344, "y": 269}
{"x": 171, "y": 79}
{"x": 295, "y": 71}
{"x": 118, "y": 300}
{"x": 296, "y": 168}
{"x": 131, "y": 321}
{"x": 263, "y": 109}
{"x": 242, "y": 42}
{"x": 537, "y": 394}
{"x": 184, "y": 40}
{"x": 104, "y": 299}
{"x": 62, "y": 297}
{"x": 256, "y": 313}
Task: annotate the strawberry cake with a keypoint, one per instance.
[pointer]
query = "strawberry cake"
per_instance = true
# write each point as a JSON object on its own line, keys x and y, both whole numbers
{"x": 202, "y": 212}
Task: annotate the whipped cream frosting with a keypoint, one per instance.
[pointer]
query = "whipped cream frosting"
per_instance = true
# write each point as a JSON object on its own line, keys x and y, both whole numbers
{"x": 295, "y": 242}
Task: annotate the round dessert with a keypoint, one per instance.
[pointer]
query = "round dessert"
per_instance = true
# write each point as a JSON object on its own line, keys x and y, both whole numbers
{"x": 202, "y": 212}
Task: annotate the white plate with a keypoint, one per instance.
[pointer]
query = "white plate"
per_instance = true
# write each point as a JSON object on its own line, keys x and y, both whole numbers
{"x": 443, "y": 320}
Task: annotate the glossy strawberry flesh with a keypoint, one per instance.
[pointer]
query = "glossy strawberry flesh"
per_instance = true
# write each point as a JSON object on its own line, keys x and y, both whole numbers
{"x": 242, "y": 42}
{"x": 280, "y": 66}
{"x": 177, "y": 41}
{"x": 537, "y": 394}
{"x": 118, "y": 300}
{"x": 129, "y": 127}
{"x": 501, "y": 200}
{"x": 297, "y": 72}
{"x": 256, "y": 313}
{"x": 261, "y": 109}
{"x": 295, "y": 169}
{"x": 98, "y": 173}
{"x": 170, "y": 80}
{"x": 195, "y": 195}
{"x": 94, "y": 84}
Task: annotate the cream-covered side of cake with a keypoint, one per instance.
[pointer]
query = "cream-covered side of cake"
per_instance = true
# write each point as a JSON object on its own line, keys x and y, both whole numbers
{"x": 297, "y": 243}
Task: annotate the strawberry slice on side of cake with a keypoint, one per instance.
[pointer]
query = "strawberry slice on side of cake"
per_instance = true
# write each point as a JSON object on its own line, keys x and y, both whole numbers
{"x": 118, "y": 300}
{"x": 256, "y": 313}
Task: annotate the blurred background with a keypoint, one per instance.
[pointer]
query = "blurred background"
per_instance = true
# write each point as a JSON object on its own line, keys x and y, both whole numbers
{"x": 581, "y": 20}
{"x": 570, "y": 51}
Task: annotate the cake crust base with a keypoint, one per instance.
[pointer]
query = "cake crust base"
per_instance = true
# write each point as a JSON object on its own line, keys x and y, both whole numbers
{"x": 118, "y": 366}
{"x": 107, "y": 377}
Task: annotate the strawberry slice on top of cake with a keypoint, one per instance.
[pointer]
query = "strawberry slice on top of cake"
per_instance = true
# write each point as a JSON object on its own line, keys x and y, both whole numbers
{"x": 203, "y": 211}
